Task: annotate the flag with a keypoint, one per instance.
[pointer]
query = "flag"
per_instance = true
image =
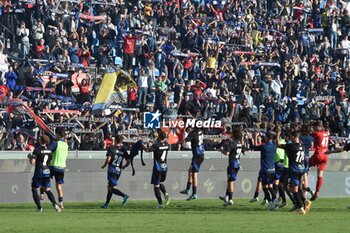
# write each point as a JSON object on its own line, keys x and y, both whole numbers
{"x": 112, "y": 89}
{"x": 3, "y": 91}
{"x": 24, "y": 109}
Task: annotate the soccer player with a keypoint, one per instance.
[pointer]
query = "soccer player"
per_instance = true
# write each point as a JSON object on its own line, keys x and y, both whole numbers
{"x": 267, "y": 168}
{"x": 41, "y": 178}
{"x": 319, "y": 158}
{"x": 233, "y": 150}
{"x": 297, "y": 161}
{"x": 196, "y": 138}
{"x": 279, "y": 166}
{"x": 160, "y": 152}
{"x": 115, "y": 156}
{"x": 307, "y": 141}
{"x": 59, "y": 151}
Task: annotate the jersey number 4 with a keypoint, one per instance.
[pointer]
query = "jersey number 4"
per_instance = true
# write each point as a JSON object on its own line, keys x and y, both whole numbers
{"x": 163, "y": 155}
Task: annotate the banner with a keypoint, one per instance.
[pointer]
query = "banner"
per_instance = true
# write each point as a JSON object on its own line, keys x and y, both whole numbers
{"x": 134, "y": 132}
{"x": 93, "y": 119}
{"x": 323, "y": 98}
{"x": 243, "y": 53}
{"x": 37, "y": 89}
{"x": 61, "y": 111}
{"x": 63, "y": 124}
{"x": 92, "y": 17}
{"x": 90, "y": 131}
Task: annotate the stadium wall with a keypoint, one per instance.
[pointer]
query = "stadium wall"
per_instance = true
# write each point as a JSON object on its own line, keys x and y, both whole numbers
{"x": 85, "y": 181}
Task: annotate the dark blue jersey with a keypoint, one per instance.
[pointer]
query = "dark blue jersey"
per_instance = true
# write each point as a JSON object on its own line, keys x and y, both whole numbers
{"x": 296, "y": 156}
{"x": 42, "y": 158}
{"x": 307, "y": 142}
{"x": 118, "y": 154}
{"x": 267, "y": 156}
{"x": 160, "y": 154}
{"x": 196, "y": 139}
{"x": 160, "y": 151}
{"x": 235, "y": 149}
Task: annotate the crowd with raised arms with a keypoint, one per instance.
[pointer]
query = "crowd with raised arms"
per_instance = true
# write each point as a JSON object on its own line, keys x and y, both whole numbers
{"x": 256, "y": 64}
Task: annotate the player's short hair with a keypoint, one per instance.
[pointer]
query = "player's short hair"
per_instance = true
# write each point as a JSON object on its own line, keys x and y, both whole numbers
{"x": 295, "y": 133}
{"x": 162, "y": 135}
{"x": 43, "y": 139}
{"x": 118, "y": 139}
{"x": 61, "y": 132}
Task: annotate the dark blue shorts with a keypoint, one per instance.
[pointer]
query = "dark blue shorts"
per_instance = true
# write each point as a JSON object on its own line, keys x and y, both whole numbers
{"x": 113, "y": 179}
{"x": 232, "y": 173}
{"x": 38, "y": 182}
{"x": 267, "y": 177}
{"x": 278, "y": 171}
{"x": 158, "y": 176}
{"x": 295, "y": 177}
{"x": 284, "y": 175}
{"x": 196, "y": 164}
{"x": 58, "y": 173}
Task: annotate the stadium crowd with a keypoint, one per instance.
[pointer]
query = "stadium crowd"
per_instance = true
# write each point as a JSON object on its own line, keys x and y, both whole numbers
{"x": 253, "y": 64}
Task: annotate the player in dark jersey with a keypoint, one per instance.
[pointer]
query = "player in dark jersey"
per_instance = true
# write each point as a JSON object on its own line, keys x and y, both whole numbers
{"x": 233, "y": 150}
{"x": 197, "y": 146}
{"x": 297, "y": 162}
{"x": 116, "y": 154}
{"x": 160, "y": 152}
{"x": 41, "y": 157}
{"x": 267, "y": 168}
{"x": 307, "y": 141}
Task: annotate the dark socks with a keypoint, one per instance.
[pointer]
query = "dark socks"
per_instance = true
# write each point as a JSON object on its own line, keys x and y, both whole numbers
{"x": 36, "y": 198}
{"x": 60, "y": 199}
{"x": 194, "y": 190}
{"x": 227, "y": 192}
{"x": 298, "y": 199}
{"x": 273, "y": 193}
{"x": 282, "y": 193}
{"x": 275, "y": 188}
{"x": 188, "y": 185}
{"x": 109, "y": 196}
{"x": 291, "y": 197}
{"x": 162, "y": 188}
{"x": 230, "y": 194}
{"x": 267, "y": 194}
{"x": 118, "y": 193}
{"x": 256, "y": 194}
{"x": 51, "y": 196}
{"x": 301, "y": 194}
{"x": 158, "y": 195}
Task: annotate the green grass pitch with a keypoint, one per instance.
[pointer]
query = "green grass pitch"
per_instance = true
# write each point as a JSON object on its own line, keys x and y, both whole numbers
{"x": 326, "y": 215}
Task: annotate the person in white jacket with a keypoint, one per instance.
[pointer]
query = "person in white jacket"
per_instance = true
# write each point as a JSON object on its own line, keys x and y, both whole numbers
{"x": 23, "y": 33}
{"x": 276, "y": 86}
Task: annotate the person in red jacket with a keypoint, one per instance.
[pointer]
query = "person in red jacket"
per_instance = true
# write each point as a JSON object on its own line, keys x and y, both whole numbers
{"x": 128, "y": 50}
